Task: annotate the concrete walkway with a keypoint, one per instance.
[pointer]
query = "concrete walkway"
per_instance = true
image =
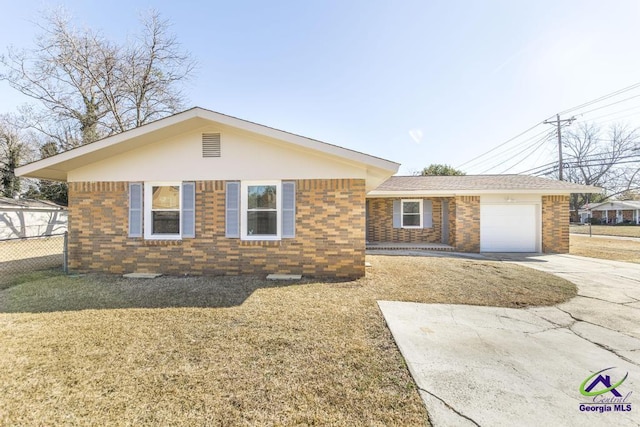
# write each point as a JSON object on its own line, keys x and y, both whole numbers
{"x": 495, "y": 366}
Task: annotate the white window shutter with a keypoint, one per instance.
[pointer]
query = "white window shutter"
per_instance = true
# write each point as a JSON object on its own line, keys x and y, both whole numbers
{"x": 232, "y": 210}
{"x": 288, "y": 209}
{"x": 188, "y": 214}
{"x": 427, "y": 214}
{"x": 397, "y": 214}
{"x": 135, "y": 209}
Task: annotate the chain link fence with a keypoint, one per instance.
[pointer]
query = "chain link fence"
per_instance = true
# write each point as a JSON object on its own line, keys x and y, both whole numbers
{"x": 27, "y": 254}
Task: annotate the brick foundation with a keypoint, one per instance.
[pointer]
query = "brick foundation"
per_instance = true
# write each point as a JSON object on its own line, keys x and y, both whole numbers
{"x": 329, "y": 242}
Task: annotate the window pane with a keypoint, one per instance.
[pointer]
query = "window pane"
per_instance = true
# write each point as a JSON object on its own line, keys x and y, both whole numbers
{"x": 166, "y": 222}
{"x": 262, "y": 223}
{"x": 411, "y": 220}
{"x": 262, "y": 197}
{"x": 166, "y": 197}
{"x": 411, "y": 207}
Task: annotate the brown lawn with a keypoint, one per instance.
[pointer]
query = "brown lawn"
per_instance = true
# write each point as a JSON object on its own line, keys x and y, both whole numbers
{"x": 601, "y": 247}
{"x": 234, "y": 350}
{"x": 608, "y": 230}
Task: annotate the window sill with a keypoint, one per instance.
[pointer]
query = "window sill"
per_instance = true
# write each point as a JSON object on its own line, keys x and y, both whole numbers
{"x": 166, "y": 237}
{"x": 260, "y": 238}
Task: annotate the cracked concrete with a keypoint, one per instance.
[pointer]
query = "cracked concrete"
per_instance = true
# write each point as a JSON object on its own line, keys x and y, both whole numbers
{"x": 497, "y": 366}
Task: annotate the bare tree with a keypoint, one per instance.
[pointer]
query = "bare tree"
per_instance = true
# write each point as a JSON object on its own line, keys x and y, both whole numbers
{"x": 88, "y": 87}
{"x": 606, "y": 159}
{"x": 151, "y": 72}
{"x": 15, "y": 149}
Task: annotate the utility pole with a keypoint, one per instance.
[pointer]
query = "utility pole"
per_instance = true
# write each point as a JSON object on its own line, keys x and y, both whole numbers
{"x": 558, "y": 123}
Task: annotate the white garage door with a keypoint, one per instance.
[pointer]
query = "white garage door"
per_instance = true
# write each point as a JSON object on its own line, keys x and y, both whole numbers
{"x": 508, "y": 228}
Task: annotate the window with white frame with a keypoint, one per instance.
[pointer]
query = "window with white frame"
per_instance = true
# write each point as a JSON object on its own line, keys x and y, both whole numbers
{"x": 261, "y": 210}
{"x": 411, "y": 213}
{"x": 162, "y": 210}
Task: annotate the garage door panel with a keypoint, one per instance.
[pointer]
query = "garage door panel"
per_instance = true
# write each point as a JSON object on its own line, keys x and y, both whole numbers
{"x": 508, "y": 228}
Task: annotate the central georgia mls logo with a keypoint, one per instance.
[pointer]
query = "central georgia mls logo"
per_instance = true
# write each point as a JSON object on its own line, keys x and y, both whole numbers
{"x": 604, "y": 393}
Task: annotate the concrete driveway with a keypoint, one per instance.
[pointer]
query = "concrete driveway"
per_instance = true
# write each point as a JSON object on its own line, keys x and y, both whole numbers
{"x": 496, "y": 366}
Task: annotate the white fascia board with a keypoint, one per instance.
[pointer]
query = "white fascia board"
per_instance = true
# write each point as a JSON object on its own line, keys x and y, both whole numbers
{"x": 449, "y": 193}
{"x": 56, "y": 167}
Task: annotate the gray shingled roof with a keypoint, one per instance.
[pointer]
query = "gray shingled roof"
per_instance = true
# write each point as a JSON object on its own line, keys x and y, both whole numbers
{"x": 479, "y": 183}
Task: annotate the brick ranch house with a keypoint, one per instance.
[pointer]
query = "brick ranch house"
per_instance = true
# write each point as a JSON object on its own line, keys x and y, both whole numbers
{"x": 612, "y": 212}
{"x": 201, "y": 192}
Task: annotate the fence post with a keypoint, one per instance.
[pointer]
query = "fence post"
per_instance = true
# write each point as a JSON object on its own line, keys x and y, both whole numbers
{"x": 65, "y": 253}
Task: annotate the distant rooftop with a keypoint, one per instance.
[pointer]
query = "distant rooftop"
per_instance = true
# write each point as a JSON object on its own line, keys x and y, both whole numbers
{"x": 613, "y": 204}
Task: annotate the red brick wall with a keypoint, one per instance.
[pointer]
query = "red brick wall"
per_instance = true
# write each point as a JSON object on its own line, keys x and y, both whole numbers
{"x": 329, "y": 242}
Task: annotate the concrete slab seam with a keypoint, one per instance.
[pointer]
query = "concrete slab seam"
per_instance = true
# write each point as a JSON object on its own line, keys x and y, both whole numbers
{"x": 448, "y": 406}
{"x": 602, "y": 346}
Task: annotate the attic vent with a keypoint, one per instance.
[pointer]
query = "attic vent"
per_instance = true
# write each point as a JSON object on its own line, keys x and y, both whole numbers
{"x": 210, "y": 145}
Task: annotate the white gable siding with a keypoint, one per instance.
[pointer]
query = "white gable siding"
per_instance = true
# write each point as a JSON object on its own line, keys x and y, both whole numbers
{"x": 244, "y": 156}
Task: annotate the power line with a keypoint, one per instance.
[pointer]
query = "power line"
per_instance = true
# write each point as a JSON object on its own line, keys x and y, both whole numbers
{"x": 618, "y": 118}
{"x": 542, "y": 142}
{"x": 534, "y": 144}
{"x": 584, "y": 161}
{"x": 609, "y": 105}
{"x": 614, "y": 113}
{"x": 501, "y": 145}
{"x": 576, "y": 165}
{"x": 500, "y": 158}
{"x": 602, "y": 98}
{"x": 551, "y": 170}
{"x": 583, "y": 105}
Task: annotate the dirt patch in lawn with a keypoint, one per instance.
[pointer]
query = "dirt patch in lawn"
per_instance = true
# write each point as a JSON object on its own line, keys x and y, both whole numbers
{"x": 603, "y": 248}
{"x": 232, "y": 351}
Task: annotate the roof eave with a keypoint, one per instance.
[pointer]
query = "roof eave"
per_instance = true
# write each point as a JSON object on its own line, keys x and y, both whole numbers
{"x": 57, "y": 167}
{"x": 453, "y": 193}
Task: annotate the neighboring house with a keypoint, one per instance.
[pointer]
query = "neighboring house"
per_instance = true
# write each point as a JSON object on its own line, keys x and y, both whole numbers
{"x": 204, "y": 193}
{"x": 612, "y": 212}
{"x": 584, "y": 213}
{"x": 481, "y": 213}
{"x": 29, "y": 218}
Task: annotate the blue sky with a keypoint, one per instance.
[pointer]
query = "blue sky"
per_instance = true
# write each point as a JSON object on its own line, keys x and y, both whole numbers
{"x": 417, "y": 82}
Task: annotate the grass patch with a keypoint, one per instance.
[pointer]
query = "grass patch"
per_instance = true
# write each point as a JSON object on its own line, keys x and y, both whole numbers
{"x": 607, "y": 230}
{"x": 232, "y": 351}
{"x": 8, "y": 279}
{"x": 603, "y": 248}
